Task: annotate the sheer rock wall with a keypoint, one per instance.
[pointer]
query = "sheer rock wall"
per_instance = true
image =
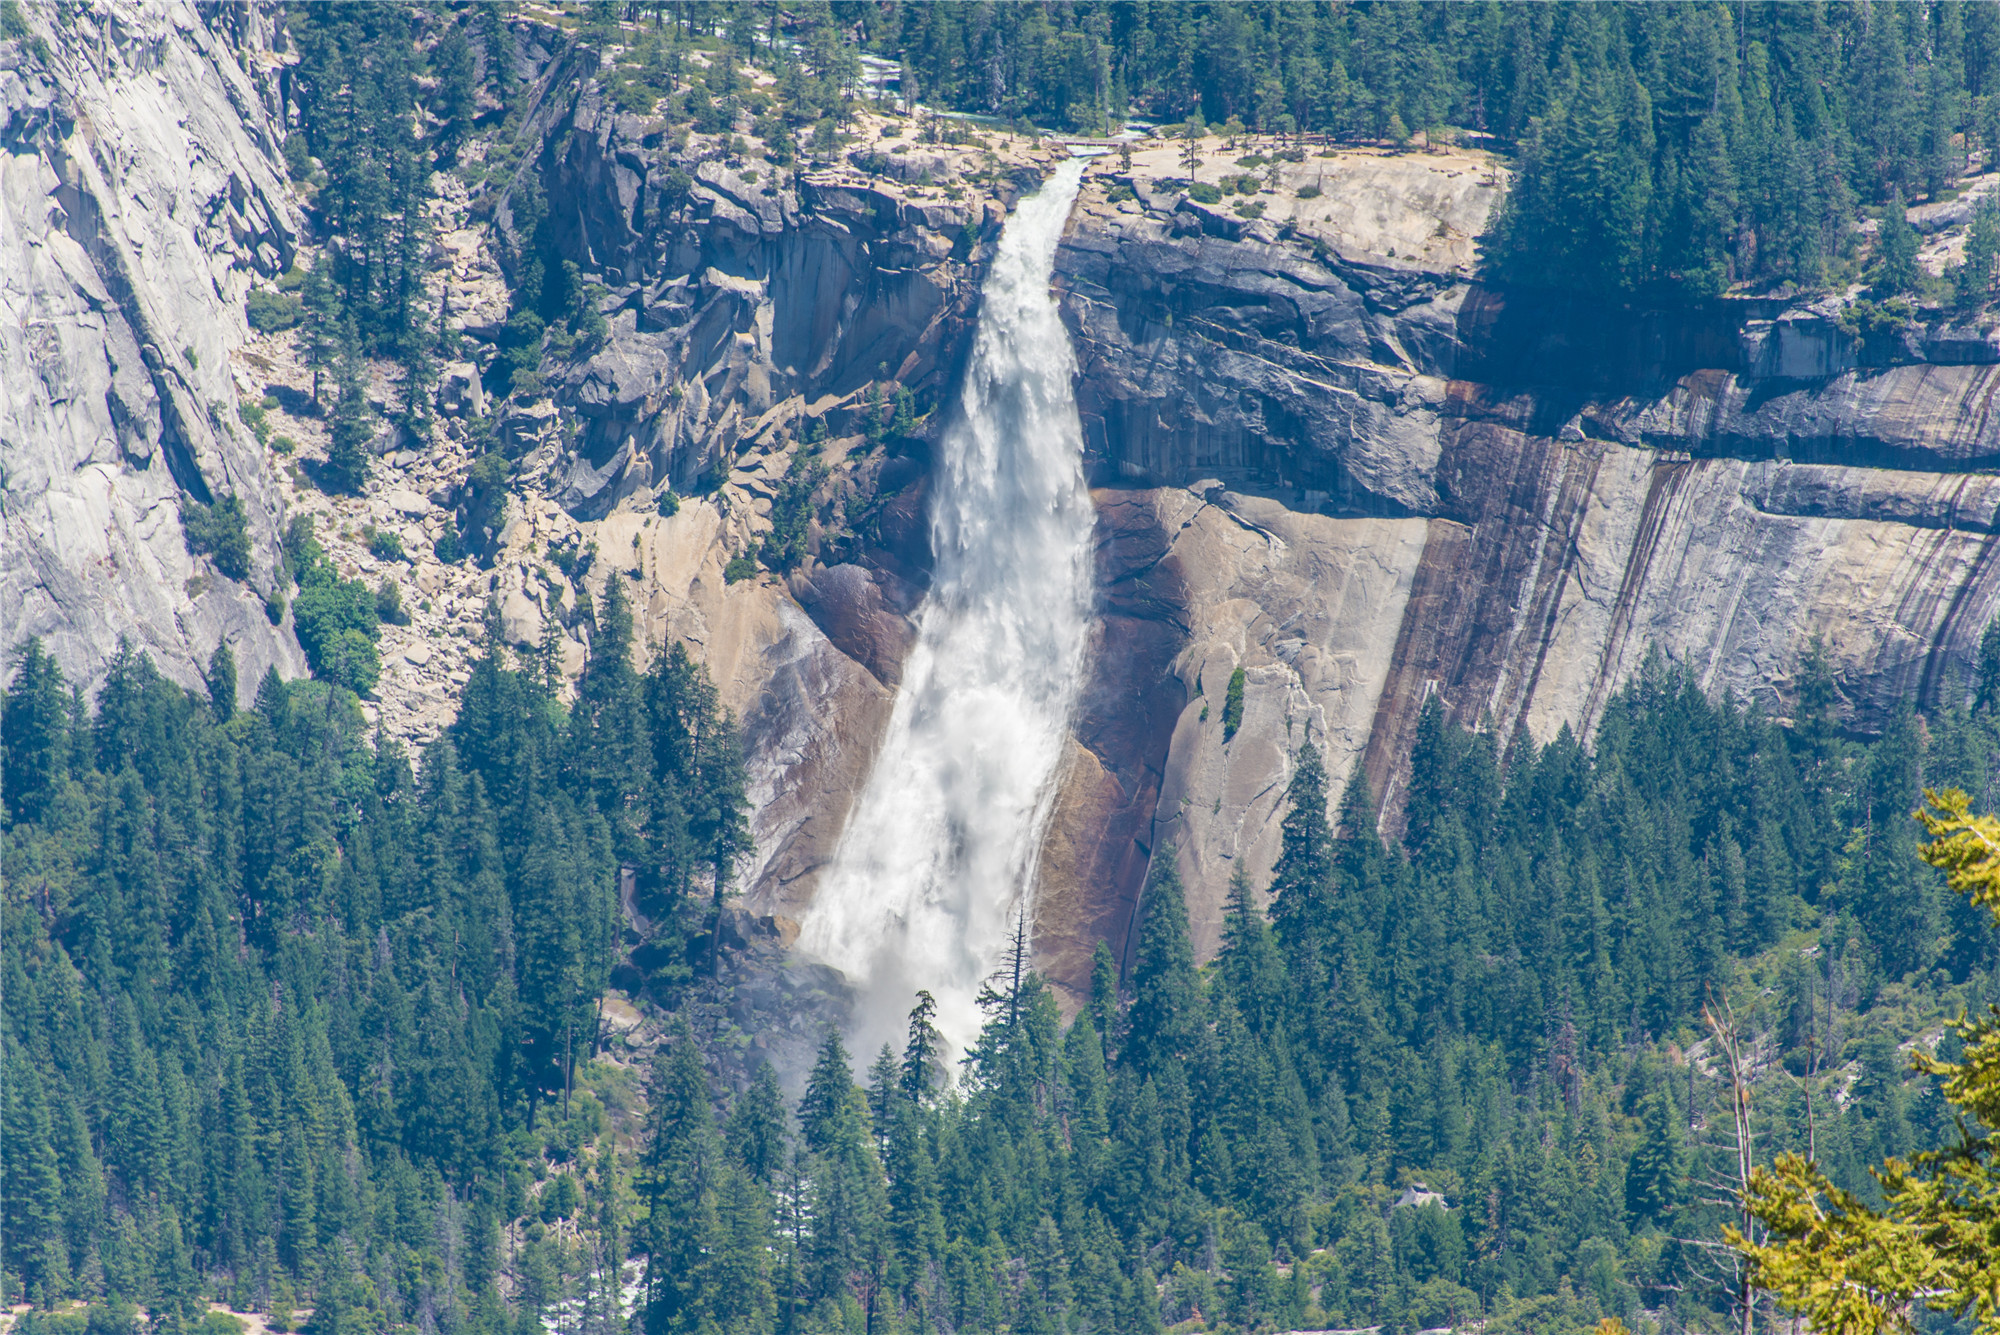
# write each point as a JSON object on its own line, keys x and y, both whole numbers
{"x": 746, "y": 317}
{"x": 1369, "y": 480}
{"x": 142, "y": 195}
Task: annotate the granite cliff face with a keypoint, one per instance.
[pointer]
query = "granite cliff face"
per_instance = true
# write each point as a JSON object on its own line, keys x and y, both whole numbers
{"x": 1367, "y": 479}
{"x": 1325, "y": 453}
{"x": 143, "y": 197}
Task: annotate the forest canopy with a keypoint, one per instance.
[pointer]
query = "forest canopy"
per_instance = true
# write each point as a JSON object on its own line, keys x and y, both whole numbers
{"x": 1676, "y": 148}
{"x": 299, "y": 1023}
{"x": 292, "y": 1025}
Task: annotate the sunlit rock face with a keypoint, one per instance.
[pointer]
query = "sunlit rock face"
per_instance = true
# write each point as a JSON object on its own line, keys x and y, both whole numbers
{"x": 1328, "y": 457}
{"x": 143, "y": 195}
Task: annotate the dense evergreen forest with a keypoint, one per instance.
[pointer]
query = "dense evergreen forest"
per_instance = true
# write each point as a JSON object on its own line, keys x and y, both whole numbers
{"x": 290, "y": 1026}
{"x": 285, "y": 1019}
{"x": 1671, "y": 148}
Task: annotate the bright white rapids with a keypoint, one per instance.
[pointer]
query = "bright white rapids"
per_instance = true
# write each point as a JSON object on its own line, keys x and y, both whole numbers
{"x": 940, "y": 850}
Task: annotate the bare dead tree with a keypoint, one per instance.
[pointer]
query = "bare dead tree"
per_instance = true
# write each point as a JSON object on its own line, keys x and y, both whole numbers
{"x": 1729, "y": 1045}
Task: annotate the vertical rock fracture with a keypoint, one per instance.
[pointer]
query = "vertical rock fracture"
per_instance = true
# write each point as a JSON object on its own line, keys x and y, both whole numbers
{"x": 939, "y": 855}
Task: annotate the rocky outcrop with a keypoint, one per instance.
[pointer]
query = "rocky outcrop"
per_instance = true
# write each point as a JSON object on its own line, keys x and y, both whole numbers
{"x": 1324, "y": 454}
{"x": 755, "y": 313}
{"x": 736, "y": 287}
{"x": 1366, "y": 480}
{"x": 142, "y": 197}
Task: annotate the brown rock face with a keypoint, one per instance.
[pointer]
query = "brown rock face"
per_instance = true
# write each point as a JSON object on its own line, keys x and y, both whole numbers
{"x": 864, "y": 613}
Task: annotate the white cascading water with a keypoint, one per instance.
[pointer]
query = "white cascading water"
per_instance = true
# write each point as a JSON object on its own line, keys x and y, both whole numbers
{"x": 940, "y": 850}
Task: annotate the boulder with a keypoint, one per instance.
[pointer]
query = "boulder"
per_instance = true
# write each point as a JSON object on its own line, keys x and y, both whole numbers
{"x": 520, "y": 619}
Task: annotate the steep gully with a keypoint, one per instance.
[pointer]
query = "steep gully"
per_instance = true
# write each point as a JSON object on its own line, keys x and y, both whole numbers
{"x": 1318, "y": 451}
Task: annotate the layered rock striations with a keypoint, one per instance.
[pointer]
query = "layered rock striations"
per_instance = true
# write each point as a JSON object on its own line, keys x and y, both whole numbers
{"x": 1366, "y": 480}
{"x": 142, "y": 198}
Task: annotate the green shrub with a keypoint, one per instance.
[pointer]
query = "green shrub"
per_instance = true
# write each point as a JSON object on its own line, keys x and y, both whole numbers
{"x": 1232, "y": 705}
{"x": 560, "y": 1197}
{"x": 1308, "y": 192}
{"x": 271, "y": 311}
{"x": 221, "y": 532}
{"x": 670, "y": 505}
{"x": 1118, "y": 194}
{"x": 1204, "y": 193}
{"x": 335, "y": 619}
{"x": 1252, "y": 208}
{"x": 48, "y": 1323}
{"x": 298, "y": 164}
{"x": 252, "y": 414}
{"x": 389, "y": 604}
{"x": 350, "y": 660}
{"x": 791, "y": 513}
{"x": 447, "y": 548}
{"x": 385, "y": 545}
{"x": 739, "y": 568}
{"x": 219, "y": 1323}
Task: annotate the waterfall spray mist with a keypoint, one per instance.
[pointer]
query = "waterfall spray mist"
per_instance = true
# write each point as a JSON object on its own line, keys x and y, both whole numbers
{"x": 940, "y": 851}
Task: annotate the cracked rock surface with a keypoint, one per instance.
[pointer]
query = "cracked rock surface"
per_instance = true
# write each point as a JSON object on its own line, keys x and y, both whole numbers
{"x": 142, "y": 197}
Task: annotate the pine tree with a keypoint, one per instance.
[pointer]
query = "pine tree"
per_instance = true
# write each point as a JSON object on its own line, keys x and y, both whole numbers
{"x": 1249, "y": 966}
{"x": 351, "y": 427}
{"x": 885, "y": 1096}
{"x": 1895, "y": 271}
{"x": 35, "y": 733}
{"x": 1973, "y": 277}
{"x": 1165, "y": 1018}
{"x": 923, "y": 1068}
{"x": 828, "y": 1098}
{"x": 1656, "y": 1182}
{"x": 456, "y": 99}
{"x": 739, "y": 1284}
{"x": 1988, "y": 697}
{"x": 34, "y": 1246}
{"x": 221, "y": 681}
{"x": 759, "y": 1131}
{"x": 320, "y": 334}
{"x": 916, "y": 1221}
{"x": 681, "y": 1178}
{"x": 1105, "y": 1006}
{"x": 1305, "y": 856}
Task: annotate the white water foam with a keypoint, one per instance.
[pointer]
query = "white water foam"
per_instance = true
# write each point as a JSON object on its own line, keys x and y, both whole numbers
{"x": 940, "y": 850}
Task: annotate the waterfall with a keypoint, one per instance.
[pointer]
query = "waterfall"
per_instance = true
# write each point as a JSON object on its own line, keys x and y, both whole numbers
{"x": 940, "y": 850}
